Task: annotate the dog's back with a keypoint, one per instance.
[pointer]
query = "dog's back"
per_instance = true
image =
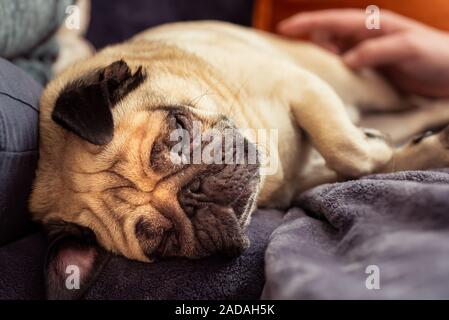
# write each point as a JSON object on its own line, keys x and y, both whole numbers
{"x": 230, "y": 47}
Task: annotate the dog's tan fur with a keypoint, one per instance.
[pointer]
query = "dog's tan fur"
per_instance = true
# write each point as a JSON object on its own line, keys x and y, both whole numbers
{"x": 214, "y": 69}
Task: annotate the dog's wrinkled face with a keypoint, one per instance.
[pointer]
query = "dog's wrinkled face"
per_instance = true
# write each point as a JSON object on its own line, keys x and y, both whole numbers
{"x": 121, "y": 187}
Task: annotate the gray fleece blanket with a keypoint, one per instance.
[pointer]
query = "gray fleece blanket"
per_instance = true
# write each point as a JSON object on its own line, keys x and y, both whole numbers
{"x": 381, "y": 237}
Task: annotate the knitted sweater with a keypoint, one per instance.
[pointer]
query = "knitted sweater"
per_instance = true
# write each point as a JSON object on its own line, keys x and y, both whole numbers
{"x": 27, "y": 29}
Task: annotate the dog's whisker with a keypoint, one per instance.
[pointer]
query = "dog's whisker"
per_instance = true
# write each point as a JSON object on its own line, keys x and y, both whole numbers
{"x": 194, "y": 102}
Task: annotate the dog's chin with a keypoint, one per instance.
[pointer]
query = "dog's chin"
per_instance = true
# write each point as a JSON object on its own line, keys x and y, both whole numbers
{"x": 218, "y": 204}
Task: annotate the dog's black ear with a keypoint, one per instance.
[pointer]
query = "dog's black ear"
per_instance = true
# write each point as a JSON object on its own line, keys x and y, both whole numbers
{"x": 73, "y": 261}
{"x": 84, "y": 105}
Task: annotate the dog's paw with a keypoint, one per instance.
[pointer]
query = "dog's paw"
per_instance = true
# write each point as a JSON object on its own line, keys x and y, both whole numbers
{"x": 379, "y": 150}
{"x": 444, "y": 138}
{"x": 366, "y": 152}
{"x": 376, "y": 134}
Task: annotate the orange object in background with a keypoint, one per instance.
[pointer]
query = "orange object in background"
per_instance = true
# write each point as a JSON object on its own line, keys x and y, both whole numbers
{"x": 268, "y": 13}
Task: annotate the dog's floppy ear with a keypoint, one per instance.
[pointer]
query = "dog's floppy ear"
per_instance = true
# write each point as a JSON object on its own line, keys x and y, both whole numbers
{"x": 84, "y": 105}
{"x": 73, "y": 261}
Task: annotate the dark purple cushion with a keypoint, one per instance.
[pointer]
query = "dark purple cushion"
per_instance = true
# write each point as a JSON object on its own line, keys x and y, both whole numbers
{"x": 115, "y": 21}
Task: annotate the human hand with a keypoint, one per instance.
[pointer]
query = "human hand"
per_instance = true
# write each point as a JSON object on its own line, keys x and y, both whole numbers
{"x": 413, "y": 56}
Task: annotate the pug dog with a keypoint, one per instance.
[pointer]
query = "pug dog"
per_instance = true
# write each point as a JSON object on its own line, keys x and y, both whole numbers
{"x": 107, "y": 183}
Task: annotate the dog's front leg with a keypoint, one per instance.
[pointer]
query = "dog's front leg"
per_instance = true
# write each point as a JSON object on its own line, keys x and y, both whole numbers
{"x": 350, "y": 151}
